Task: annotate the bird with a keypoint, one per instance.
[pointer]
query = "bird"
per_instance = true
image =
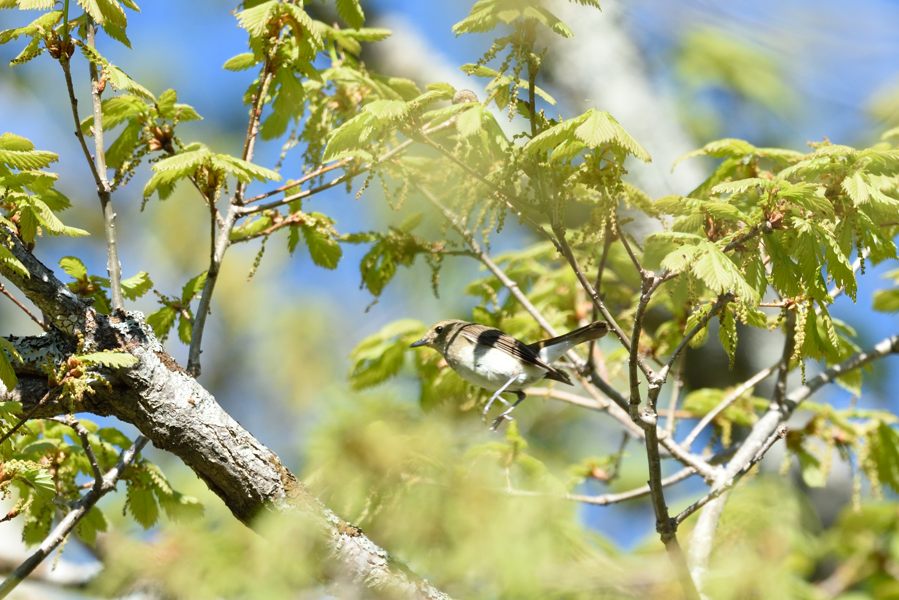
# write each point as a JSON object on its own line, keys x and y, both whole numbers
{"x": 489, "y": 358}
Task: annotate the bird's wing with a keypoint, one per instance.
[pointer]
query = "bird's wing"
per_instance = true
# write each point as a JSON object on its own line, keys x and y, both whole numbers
{"x": 490, "y": 336}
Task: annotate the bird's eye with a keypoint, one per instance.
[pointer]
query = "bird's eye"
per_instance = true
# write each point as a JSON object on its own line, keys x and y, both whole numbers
{"x": 438, "y": 329}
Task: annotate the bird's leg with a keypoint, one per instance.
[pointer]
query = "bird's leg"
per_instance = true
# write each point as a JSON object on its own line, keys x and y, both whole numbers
{"x": 496, "y": 394}
{"x": 505, "y": 414}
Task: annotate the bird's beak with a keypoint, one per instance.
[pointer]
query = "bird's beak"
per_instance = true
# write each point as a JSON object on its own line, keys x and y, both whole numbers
{"x": 421, "y": 342}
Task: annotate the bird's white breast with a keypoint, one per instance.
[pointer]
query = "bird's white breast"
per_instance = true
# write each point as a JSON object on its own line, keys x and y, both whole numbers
{"x": 491, "y": 368}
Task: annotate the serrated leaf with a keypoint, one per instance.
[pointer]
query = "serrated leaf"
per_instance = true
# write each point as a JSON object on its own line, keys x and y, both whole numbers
{"x": 193, "y": 287}
{"x": 162, "y": 321}
{"x": 240, "y": 62}
{"x": 142, "y": 505}
{"x": 27, "y": 159}
{"x": 109, "y": 358}
{"x": 324, "y": 249}
{"x": 137, "y": 285}
{"x": 720, "y": 274}
{"x": 92, "y": 523}
{"x": 599, "y": 127}
{"x": 469, "y": 122}
{"x": 255, "y": 19}
{"x": 351, "y": 13}
{"x": 73, "y": 267}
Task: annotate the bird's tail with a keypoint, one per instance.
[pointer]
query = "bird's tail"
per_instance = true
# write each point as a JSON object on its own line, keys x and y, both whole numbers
{"x": 551, "y": 349}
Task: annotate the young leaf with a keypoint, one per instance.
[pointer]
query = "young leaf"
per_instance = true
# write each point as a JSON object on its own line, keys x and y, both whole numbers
{"x": 323, "y": 248}
{"x": 351, "y": 12}
{"x": 7, "y": 374}
{"x": 162, "y": 321}
{"x": 142, "y": 506}
{"x": 109, "y": 358}
{"x": 137, "y": 285}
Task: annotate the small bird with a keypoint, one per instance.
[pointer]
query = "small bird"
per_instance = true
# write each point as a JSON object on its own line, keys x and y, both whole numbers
{"x": 491, "y": 359}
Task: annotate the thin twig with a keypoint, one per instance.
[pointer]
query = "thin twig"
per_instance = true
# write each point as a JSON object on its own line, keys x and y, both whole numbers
{"x": 25, "y": 418}
{"x": 665, "y": 525}
{"x": 674, "y": 397}
{"x": 703, "y": 535}
{"x": 223, "y": 235}
{"x": 597, "y": 286}
{"x": 82, "y": 433}
{"x": 622, "y": 237}
{"x": 70, "y": 521}
{"x": 389, "y": 155}
{"x": 113, "y": 266}
{"x": 687, "y": 458}
{"x": 606, "y": 499}
{"x": 732, "y": 397}
{"x": 23, "y": 308}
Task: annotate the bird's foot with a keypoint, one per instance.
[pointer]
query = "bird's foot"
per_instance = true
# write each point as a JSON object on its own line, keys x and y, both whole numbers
{"x": 499, "y": 421}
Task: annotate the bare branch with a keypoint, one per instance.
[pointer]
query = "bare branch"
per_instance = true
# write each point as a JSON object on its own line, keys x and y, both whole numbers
{"x": 97, "y": 163}
{"x": 113, "y": 266}
{"x": 699, "y": 465}
{"x": 22, "y": 307}
{"x": 732, "y": 397}
{"x": 82, "y": 433}
{"x": 107, "y": 483}
{"x": 606, "y": 499}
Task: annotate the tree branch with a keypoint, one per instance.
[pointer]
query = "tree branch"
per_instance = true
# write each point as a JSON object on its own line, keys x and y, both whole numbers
{"x": 113, "y": 265}
{"x": 223, "y": 235}
{"x": 760, "y": 435}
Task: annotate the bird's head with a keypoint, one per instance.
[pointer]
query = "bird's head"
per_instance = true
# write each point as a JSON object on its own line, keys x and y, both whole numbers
{"x": 440, "y": 334}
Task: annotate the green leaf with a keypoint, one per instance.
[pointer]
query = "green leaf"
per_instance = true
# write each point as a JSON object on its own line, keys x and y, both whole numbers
{"x": 323, "y": 248}
{"x": 27, "y": 159}
{"x": 351, "y": 13}
{"x": 193, "y": 287}
{"x": 92, "y": 523}
{"x": 162, "y": 321}
{"x": 137, "y": 285}
{"x": 886, "y": 300}
{"x": 381, "y": 355}
{"x": 116, "y": 77}
{"x": 599, "y": 127}
{"x": 73, "y": 267}
{"x": 109, "y": 358}
{"x": 720, "y": 274}
{"x": 255, "y": 20}
{"x": 812, "y": 473}
{"x": 240, "y": 62}
{"x": 142, "y": 505}
{"x": 185, "y": 329}
{"x": 7, "y": 374}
